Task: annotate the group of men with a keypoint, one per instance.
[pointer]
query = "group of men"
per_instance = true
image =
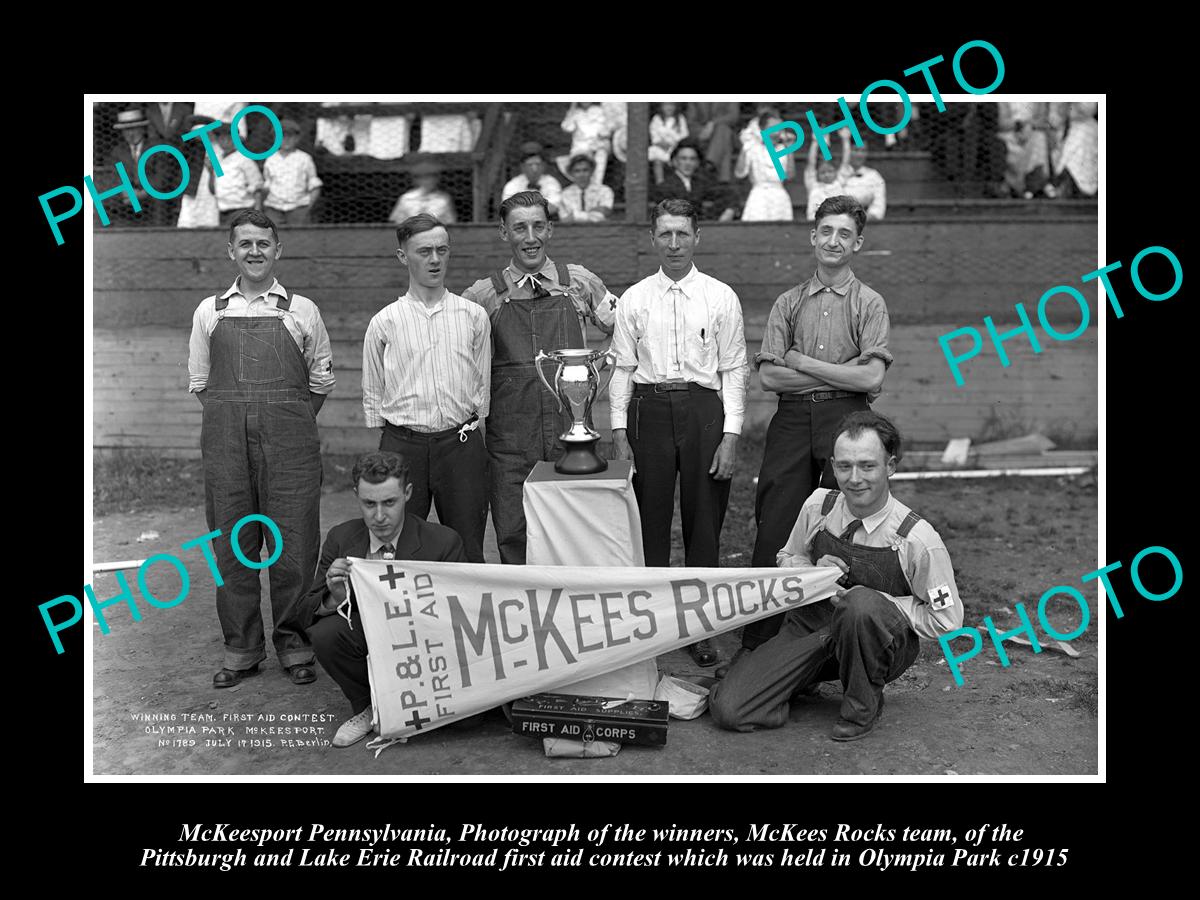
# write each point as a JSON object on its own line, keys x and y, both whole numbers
{"x": 451, "y": 383}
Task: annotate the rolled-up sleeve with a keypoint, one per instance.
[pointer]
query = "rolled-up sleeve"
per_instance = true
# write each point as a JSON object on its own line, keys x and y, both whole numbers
{"x": 624, "y": 346}
{"x": 314, "y": 180}
{"x": 319, "y": 354}
{"x": 374, "y": 345}
{"x": 732, "y": 365}
{"x": 601, "y": 302}
{"x": 794, "y": 553}
{"x": 874, "y": 329}
{"x": 779, "y": 333}
{"x": 198, "y": 359}
{"x": 932, "y": 578}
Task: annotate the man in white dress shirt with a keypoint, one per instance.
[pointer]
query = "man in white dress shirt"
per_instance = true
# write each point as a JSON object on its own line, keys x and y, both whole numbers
{"x": 678, "y": 342}
{"x": 426, "y": 366}
{"x": 534, "y": 177}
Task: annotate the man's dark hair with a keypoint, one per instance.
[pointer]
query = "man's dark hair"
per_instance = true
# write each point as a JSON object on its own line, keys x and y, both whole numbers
{"x": 685, "y": 144}
{"x": 675, "y": 207}
{"x": 581, "y": 157}
{"x": 842, "y": 205}
{"x": 858, "y": 422}
{"x": 523, "y": 198}
{"x": 416, "y": 225}
{"x": 255, "y": 217}
{"x": 378, "y": 466}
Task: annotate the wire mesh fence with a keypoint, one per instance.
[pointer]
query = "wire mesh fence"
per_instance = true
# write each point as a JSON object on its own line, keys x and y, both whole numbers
{"x": 344, "y": 163}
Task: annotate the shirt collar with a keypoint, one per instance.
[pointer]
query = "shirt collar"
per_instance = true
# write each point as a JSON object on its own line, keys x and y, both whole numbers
{"x": 376, "y": 543}
{"x": 236, "y": 288}
{"x": 518, "y": 277}
{"x": 407, "y": 295}
{"x": 687, "y": 283}
{"x": 873, "y": 521}
{"x": 815, "y": 285}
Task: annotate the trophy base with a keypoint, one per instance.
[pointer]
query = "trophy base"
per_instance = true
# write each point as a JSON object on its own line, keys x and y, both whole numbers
{"x": 580, "y": 459}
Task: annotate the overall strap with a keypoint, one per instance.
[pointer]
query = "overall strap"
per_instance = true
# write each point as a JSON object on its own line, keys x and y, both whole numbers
{"x": 830, "y": 499}
{"x": 564, "y": 277}
{"x": 222, "y": 302}
{"x": 499, "y": 285}
{"x": 286, "y": 303}
{"x": 907, "y": 525}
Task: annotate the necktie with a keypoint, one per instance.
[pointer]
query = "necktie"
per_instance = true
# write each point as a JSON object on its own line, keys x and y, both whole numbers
{"x": 583, "y": 199}
{"x": 677, "y": 297}
{"x": 387, "y": 551}
{"x": 848, "y": 534}
{"x": 534, "y": 285}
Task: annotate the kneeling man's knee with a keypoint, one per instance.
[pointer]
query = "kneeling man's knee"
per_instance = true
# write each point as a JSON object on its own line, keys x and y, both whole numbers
{"x": 860, "y": 602}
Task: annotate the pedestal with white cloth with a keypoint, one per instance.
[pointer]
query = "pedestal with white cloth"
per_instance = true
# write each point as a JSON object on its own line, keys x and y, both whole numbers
{"x": 589, "y": 520}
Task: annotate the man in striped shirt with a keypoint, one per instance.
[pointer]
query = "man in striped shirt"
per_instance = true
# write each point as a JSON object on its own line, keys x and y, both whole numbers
{"x": 426, "y": 365}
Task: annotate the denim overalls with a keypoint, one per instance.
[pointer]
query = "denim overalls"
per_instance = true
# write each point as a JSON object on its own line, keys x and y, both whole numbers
{"x": 261, "y": 455}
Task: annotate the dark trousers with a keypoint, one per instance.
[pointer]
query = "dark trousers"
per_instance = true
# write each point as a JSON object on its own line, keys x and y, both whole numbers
{"x": 342, "y": 652}
{"x": 450, "y": 472}
{"x": 297, "y": 216}
{"x": 796, "y": 461}
{"x": 678, "y": 432}
{"x": 865, "y": 640}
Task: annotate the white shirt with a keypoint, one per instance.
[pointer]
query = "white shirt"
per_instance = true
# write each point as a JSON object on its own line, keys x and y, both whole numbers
{"x": 290, "y": 180}
{"x": 237, "y": 182}
{"x": 437, "y": 203}
{"x": 424, "y": 368}
{"x": 868, "y": 188}
{"x": 302, "y": 320}
{"x": 547, "y": 186}
{"x": 583, "y": 206}
{"x": 923, "y": 557}
{"x": 685, "y": 331}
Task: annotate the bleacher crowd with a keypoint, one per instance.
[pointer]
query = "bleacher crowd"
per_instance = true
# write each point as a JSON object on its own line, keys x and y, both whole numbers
{"x": 338, "y": 163}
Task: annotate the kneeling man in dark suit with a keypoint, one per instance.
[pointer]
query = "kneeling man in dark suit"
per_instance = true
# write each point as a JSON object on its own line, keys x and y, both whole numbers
{"x": 385, "y": 531}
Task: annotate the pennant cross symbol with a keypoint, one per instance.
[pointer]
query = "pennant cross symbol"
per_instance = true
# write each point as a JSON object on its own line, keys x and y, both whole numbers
{"x": 417, "y": 719}
{"x": 391, "y": 577}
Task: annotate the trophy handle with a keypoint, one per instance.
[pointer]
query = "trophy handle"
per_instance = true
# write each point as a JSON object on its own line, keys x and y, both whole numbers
{"x": 537, "y": 362}
{"x": 607, "y": 361}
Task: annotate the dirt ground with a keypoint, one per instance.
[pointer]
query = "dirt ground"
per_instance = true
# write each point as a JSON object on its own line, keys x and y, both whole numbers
{"x": 1010, "y": 539}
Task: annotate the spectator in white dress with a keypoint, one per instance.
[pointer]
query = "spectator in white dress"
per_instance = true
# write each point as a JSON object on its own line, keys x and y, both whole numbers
{"x": 667, "y": 128}
{"x": 768, "y": 200}
{"x": 590, "y": 128}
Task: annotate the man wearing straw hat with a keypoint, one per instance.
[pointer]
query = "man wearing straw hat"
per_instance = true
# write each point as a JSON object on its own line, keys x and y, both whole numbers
{"x": 133, "y": 127}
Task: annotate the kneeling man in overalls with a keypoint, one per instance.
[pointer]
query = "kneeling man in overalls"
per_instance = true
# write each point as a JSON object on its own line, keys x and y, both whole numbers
{"x": 898, "y": 587}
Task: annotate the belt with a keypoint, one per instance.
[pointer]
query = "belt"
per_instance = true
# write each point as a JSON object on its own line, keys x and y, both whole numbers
{"x": 470, "y": 425}
{"x": 820, "y": 396}
{"x": 661, "y": 386}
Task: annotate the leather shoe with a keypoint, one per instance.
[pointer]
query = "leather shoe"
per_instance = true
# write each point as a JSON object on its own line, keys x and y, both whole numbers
{"x": 703, "y": 654}
{"x": 722, "y": 671}
{"x": 852, "y": 731}
{"x": 302, "y": 673}
{"x": 354, "y": 729}
{"x": 227, "y": 678}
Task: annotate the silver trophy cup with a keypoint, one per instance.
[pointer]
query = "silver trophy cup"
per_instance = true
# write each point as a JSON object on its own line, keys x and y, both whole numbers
{"x": 576, "y": 384}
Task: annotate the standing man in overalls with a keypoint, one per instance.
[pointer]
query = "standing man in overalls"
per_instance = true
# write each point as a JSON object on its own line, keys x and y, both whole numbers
{"x": 534, "y": 304}
{"x": 261, "y": 366}
{"x": 898, "y": 587}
